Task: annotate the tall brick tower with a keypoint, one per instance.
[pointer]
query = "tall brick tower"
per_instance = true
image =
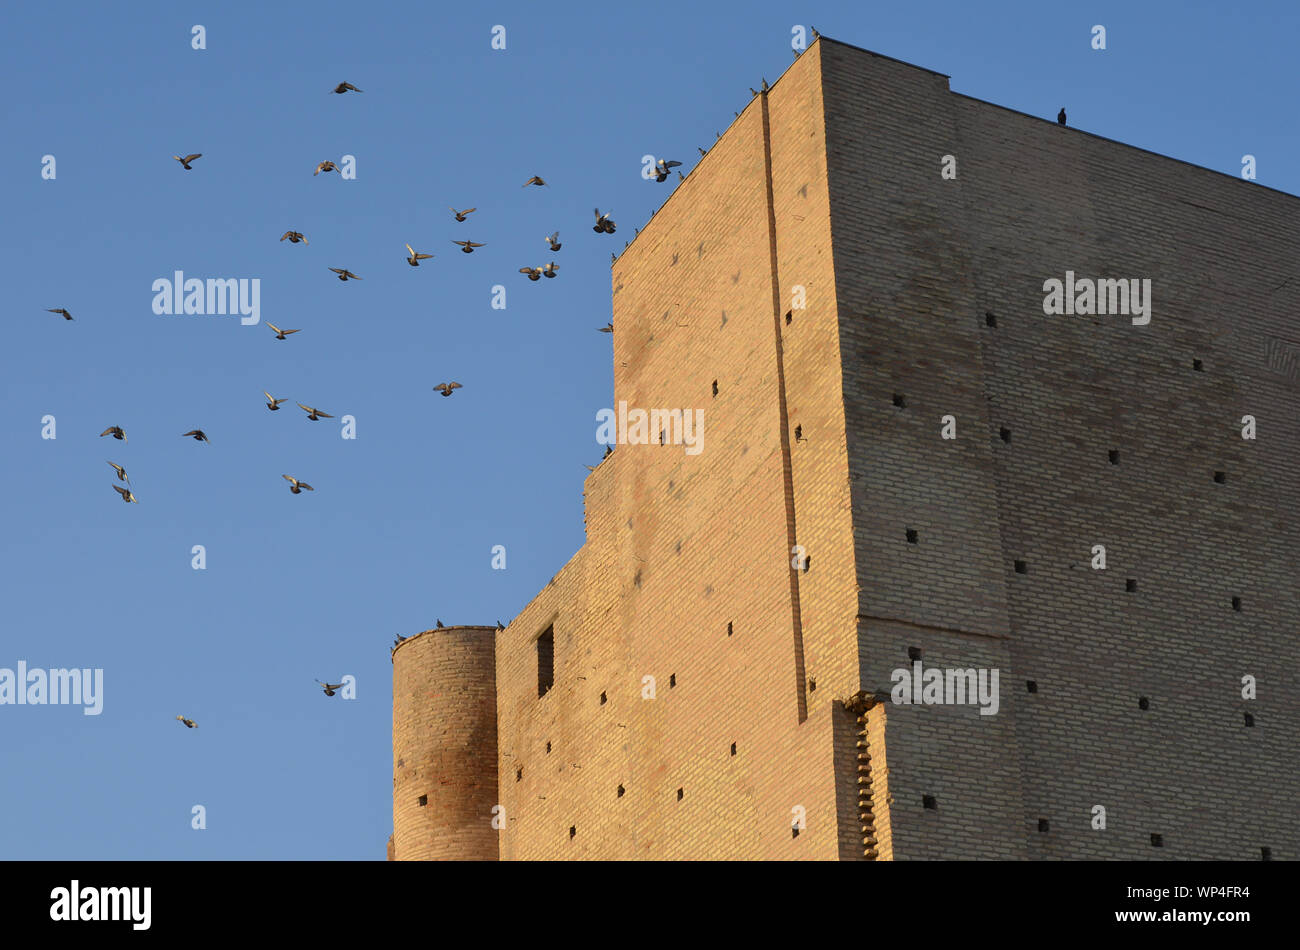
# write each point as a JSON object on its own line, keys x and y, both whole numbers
{"x": 906, "y": 460}
{"x": 445, "y": 745}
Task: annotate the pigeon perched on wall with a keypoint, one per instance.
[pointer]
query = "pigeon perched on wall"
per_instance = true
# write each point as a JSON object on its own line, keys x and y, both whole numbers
{"x": 1060, "y": 116}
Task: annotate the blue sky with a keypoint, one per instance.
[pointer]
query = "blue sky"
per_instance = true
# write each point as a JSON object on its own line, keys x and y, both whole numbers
{"x": 400, "y": 528}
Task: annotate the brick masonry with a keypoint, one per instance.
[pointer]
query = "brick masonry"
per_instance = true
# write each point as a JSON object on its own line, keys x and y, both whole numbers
{"x": 828, "y": 188}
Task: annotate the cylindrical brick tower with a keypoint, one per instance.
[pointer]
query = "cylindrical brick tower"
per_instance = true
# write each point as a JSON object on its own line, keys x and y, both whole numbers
{"x": 445, "y": 745}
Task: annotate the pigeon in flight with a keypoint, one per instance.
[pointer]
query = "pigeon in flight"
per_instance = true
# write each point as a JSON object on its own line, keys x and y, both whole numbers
{"x": 468, "y": 246}
{"x": 553, "y": 240}
{"x": 415, "y": 258}
{"x": 125, "y": 493}
{"x": 293, "y": 237}
{"x": 662, "y": 168}
{"x": 296, "y": 486}
{"x": 314, "y": 414}
{"x": 116, "y": 432}
{"x": 460, "y": 215}
{"x": 535, "y": 180}
{"x": 325, "y": 167}
{"x": 604, "y": 224}
{"x": 607, "y": 328}
{"x": 344, "y": 87}
{"x": 330, "y": 687}
{"x": 445, "y": 389}
{"x": 121, "y": 472}
{"x": 61, "y": 312}
{"x": 198, "y": 435}
{"x": 1060, "y": 116}
{"x": 273, "y": 404}
{"x": 344, "y": 273}
{"x": 280, "y": 334}
{"x": 185, "y": 162}
{"x": 189, "y": 723}
{"x": 550, "y": 269}
{"x": 534, "y": 273}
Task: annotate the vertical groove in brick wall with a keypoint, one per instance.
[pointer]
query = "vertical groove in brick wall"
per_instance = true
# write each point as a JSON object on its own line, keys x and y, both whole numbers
{"x": 800, "y": 678}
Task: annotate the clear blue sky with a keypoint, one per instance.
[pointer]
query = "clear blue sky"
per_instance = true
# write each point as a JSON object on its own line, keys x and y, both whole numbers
{"x": 400, "y": 527}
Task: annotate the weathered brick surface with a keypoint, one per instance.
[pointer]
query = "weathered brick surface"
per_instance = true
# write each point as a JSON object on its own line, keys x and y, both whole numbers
{"x": 829, "y": 186}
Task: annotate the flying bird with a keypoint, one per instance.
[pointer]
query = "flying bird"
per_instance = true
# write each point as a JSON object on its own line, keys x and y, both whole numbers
{"x": 296, "y": 486}
{"x": 535, "y": 180}
{"x": 121, "y": 472}
{"x": 273, "y": 404}
{"x": 534, "y": 273}
{"x": 125, "y": 493}
{"x": 607, "y": 328}
{"x": 280, "y": 334}
{"x": 189, "y": 723}
{"x": 468, "y": 246}
{"x": 61, "y": 312}
{"x": 604, "y": 224}
{"x": 344, "y": 273}
{"x": 553, "y": 240}
{"x": 1060, "y": 116}
{"x": 445, "y": 389}
{"x": 325, "y": 167}
{"x": 550, "y": 269}
{"x": 415, "y": 258}
{"x": 116, "y": 432}
{"x": 460, "y": 215}
{"x": 314, "y": 414}
{"x": 198, "y": 434}
{"x": 344, "y": 87}
{"x": 662, "y": 168}
{"x": 185, "y": 162}
{"x": 330, "y": 687}
{"x": 293, "y": 237}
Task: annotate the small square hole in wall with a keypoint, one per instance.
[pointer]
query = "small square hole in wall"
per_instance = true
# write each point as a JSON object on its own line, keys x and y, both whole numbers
{"x": 603, "y": 699}
{"x": 1114, "y": 456}
{"x": 1130, "y": 585}
{"x": 733, "y": 748}
{"x": 715, "y": 387}
{"x": 423, "y": 799}
{"x": 929, "y": 801}
{"x": 729, "y": 628}
{"x": 548, "y": 747}
{"x": 1022, "y": 567}
{"x": 1266, "y": 854}
{"x": 812, "y": 685}
{"x": 680, "y": 793}
{"x": 573, "y": 831}
{"x": 911, "y": 536}
{"x": 989, "y": 319}
{"x": 621, "y": 790}
{"x": 900, "y": 401}
{"x": 807, "y": 562}
{"x": 1144, "y": 703}
{"x": 1005, "y": 433}
{"x": 1236, "y": 604}
{"x": 798, "y": 433}
{"x": 1198, "y": 366}
{"x": 914, "y": 653}
{"x": 1157, "y": 841}
{"x": 1220, "y": 477}
{"x": 794, "y": 831}
{"x": 672, "y": 680}
{"x": 1031, "y": 685}
{"x": 1250, "y": 720}
{"x": 789, "y": 315}
{"x": 1044, "y": 825}
{"x": 519, "y": 775}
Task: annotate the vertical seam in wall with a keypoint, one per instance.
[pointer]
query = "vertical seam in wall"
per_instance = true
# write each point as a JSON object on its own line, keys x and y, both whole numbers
{"x": 801, "y": 696}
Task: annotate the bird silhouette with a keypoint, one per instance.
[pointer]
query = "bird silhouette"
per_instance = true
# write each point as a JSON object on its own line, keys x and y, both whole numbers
{"x": 535, "y": 180}
{"x": 766, "y": 87}
{"x": 280, "y": 334}
{"x": 439, "y": 624}
{"x": 550, "y": 269}
{"x": 273, "y": 404}
{"x": 460, "y": 215}
{"x": 1060, "y": 116}
{"x": 185, "y": 162}
{"x": 296, "y": 486}
{"x": 344, "y": 87}
{"x": 125, "y": 493}
{"x": 609, "y": 450}
{"x": 415, "y": 258}
{"x": 61, "y": 312}
{"x": 121, "y": 472}
{"x": 534, "y": 273}
{"x": 661, "y": 167}
{"x": 607, "y": 328}
{"x": 753, "y": 91}
{"x": 198, "y": 435}
{"x": 701, "y": 151}
{"x": 681, "y": 177}
{"x": 189, "y": 723}
{"x": 500, "y": 625}
{"x": 293, "y": 237}
{"x": 590, "y": 468}
{"x": 553, "y": 240}
{"x": 468, "y": 246}
{"x": 604, "y": 224}
{"x": 314, "y": 414}
{"x": 325, "y": 167}
{"x": 344, "y": 273}
{"x": 330, "y": 687}
{"x": 116, "y": 432}
{"x": 446, "y": 388}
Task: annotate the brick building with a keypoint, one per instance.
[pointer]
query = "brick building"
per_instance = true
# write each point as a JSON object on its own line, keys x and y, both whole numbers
{"x": 883, "y": 392}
